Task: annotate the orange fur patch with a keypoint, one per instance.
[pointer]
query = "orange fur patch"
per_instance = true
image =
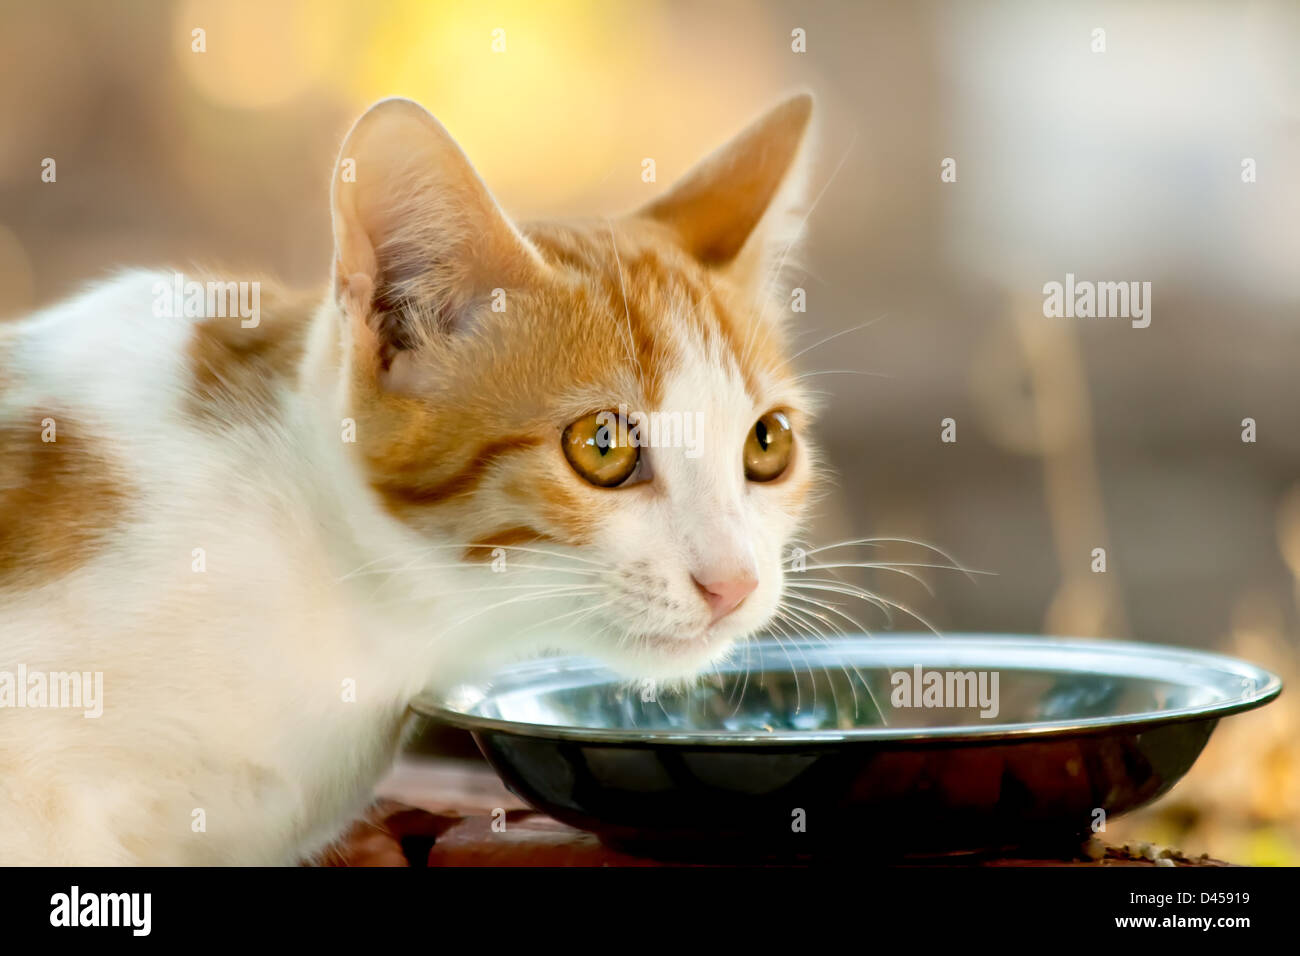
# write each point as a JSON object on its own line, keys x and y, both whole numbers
{"x": 401, "y": 492}
{"x": 59, "y": 500}
{"x": 237, "y": 370}
{"x": 481, "y": 550}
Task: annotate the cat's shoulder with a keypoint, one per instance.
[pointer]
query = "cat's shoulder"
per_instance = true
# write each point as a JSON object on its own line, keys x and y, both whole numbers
{"x": 106, "y": 395}
{"x": 64, "y": 398}
{"x": 211, "y": 347}
{"x": 93, "y": 355}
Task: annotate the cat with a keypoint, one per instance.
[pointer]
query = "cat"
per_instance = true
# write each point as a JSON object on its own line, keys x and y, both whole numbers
{"x": 264, "y": 534}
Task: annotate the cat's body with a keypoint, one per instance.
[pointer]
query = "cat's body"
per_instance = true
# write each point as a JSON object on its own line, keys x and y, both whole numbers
{"x": 267, "y": 539}
{"x": 223, "y": 669}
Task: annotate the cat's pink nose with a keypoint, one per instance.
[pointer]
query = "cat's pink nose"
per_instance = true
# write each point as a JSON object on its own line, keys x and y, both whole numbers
{"x": 725, "y": 594}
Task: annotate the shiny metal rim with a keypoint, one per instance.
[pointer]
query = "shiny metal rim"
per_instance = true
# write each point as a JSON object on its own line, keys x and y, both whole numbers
{"x": 1128, "y": 659}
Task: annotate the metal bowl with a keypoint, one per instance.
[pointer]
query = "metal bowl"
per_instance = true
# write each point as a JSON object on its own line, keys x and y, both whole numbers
{"x": 807, "y": 746}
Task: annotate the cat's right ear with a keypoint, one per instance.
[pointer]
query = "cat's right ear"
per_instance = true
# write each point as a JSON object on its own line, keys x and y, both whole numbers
{"x": 740, "y": 209}
{"x": 419, "y": 242}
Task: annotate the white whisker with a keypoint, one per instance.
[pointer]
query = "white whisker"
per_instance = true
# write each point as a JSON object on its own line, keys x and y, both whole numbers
{"x": 424, "y": 568}
{"x": 868, "y": 596}
{"x": 831, "y": 338}
{"x": 422, "y": 552}
{"x": 840, "y": 371}
{"x": 798, "y": 697}
{"x": 627, "y": 313}
{"x": 882, "y": 541}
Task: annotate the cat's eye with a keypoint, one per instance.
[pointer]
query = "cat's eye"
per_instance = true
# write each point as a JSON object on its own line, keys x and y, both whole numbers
{"x": 768, "y": 447}
{"x": 598, "y": 449}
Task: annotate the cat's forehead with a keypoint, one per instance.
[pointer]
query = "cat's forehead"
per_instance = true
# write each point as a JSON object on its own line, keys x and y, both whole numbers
{"x": 660, "y": 324}
{"x": 594, "y": 245}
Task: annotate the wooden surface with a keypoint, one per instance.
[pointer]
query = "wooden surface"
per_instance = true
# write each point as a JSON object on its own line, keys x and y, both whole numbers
{"x": 442, "y": 813}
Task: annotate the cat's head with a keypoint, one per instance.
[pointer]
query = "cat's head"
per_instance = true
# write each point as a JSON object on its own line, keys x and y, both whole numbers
{"x": 600, "y": 415}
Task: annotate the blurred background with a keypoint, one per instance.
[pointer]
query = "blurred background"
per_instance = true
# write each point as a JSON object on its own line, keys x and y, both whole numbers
{"x": 1072, "y": 434}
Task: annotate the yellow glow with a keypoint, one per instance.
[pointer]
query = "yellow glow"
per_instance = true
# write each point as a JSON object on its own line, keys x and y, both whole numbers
{"x": 553, "y": 89}
{"x": 560, "y": 119}
{"x": 583, "y": 91}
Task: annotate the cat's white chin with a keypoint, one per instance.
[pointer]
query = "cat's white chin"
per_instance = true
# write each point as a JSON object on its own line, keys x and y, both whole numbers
{"x": 671, "y": 658}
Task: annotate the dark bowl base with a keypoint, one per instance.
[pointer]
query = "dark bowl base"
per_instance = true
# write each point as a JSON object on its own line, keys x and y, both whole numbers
{"x": 873, "y": 799}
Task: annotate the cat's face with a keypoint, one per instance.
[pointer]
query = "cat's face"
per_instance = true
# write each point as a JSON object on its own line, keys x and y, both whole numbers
{"x": 601, "y": 416}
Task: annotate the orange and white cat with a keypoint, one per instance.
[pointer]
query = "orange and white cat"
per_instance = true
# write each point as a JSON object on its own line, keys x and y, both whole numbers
{"x": 265, "y": 537}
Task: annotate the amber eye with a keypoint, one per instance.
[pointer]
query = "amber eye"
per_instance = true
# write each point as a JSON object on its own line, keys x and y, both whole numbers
{"x": 598, "y": 449}
{"x": 768, "y": 447}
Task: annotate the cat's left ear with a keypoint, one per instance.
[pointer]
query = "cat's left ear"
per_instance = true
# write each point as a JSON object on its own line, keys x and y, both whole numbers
{"x": 420, "y": 243}
{"x": 739, "y": 209}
